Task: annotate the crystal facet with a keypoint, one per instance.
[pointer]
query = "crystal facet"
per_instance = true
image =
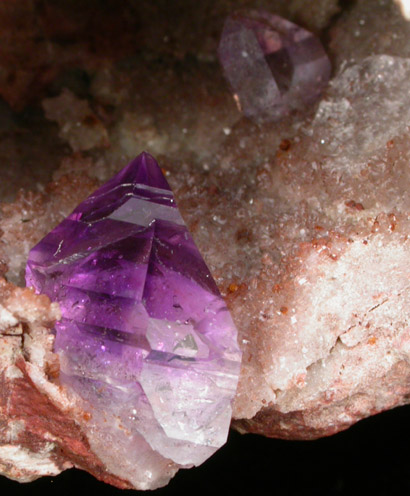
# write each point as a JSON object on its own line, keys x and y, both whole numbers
{"x": 272, "y": 65}
{"x": 145, "y": 335}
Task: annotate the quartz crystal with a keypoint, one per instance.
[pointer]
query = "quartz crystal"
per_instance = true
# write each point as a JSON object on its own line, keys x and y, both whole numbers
{"x": 145, "y": 336}
{"x": 272, "y": 65}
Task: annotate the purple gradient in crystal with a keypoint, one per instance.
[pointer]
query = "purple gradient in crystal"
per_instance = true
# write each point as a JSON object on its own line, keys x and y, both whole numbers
{"x": 272, "y": 65}
{"x": 141, "y": 312}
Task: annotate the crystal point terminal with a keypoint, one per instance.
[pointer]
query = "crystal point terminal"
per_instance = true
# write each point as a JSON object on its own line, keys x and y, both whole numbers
{"x": 145, "y": 340}
{"x": 272, "y": 65}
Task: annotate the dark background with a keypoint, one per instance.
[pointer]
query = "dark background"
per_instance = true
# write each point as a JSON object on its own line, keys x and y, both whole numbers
{"x": 372, "y": 457}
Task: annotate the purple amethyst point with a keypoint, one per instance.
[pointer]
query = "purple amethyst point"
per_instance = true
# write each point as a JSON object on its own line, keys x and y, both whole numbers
{"x": 272, "y": 65}
{"x": 145, "y": 339}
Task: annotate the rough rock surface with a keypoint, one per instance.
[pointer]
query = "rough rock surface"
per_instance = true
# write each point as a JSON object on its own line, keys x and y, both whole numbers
{"x": 40, "y": 429}
{"x": 312, "y": 212}
{"x": 369, "y": 27}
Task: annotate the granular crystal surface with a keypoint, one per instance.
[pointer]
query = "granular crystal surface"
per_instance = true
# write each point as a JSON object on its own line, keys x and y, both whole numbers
{"x": 145, "y": 339}
{"x": 272, "y": 65}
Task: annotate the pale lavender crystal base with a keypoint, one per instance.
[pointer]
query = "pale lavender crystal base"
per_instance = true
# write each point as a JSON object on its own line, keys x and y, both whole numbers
{"x": 145, "y": 336}
{"x": 272, "y": 65}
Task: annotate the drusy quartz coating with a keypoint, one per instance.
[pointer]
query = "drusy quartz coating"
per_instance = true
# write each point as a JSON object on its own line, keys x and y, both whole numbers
{"x": 272, "y": 65}
{"x": 145, "y": 334}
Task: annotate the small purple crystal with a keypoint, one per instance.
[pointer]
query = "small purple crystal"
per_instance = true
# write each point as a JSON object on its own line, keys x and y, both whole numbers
{"x": 145, "y": 337}
{"x": 272, "y": 65}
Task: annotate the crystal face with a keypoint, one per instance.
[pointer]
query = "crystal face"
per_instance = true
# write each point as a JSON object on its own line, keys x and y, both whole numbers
{"x": 272, "y": 65}
{"x": 145, "y": 336}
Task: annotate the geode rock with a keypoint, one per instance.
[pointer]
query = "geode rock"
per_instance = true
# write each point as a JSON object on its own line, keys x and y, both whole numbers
{"x": 40, "y": 428}
{"x": 313, "y": 219}
{"x": 331, "y": 341}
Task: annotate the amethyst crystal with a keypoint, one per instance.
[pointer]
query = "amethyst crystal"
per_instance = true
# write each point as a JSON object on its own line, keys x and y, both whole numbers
{"x": 145, "y": 337}
{"x": 272, "y": 65}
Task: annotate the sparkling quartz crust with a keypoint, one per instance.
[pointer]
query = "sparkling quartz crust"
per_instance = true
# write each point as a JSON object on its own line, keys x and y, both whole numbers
{"x": 145, "y": 335}
{"x": 272, "y": 65}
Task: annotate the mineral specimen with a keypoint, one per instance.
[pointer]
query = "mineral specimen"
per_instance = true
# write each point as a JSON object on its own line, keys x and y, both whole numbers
{"x": 312, "y": 214}
{"x": 273, "y": 65}
{"x": 145, "y": 338}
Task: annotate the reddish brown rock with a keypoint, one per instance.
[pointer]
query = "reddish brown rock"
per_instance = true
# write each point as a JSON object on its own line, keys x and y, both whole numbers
{"x": 38, "y": 431}
{"x": 315, "y": 265}
{"x": 58, "y": 37}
